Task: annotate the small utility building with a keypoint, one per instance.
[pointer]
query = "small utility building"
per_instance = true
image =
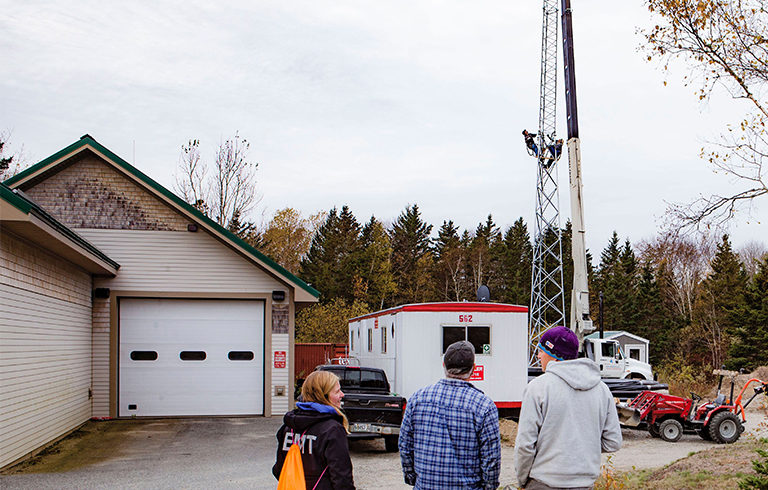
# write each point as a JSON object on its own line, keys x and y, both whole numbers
{"x": 633, "y": 346}
{"x": 118, "y": 299}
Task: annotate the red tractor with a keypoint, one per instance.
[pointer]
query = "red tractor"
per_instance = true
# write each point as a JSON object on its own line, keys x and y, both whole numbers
{"x": 668, "y": 416}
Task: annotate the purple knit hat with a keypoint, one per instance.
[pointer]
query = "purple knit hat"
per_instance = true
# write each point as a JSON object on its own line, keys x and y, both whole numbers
{"x": 560, "y": 343}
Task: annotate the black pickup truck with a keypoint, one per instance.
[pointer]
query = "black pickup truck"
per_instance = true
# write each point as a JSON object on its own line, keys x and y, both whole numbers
{"x": 370, "y": 407}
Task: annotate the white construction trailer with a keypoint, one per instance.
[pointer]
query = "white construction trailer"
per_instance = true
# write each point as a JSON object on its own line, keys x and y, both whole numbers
{"x": 408, "y": 343}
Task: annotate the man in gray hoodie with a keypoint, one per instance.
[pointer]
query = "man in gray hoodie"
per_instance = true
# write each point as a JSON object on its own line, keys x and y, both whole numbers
{"x": 567, "y": 419}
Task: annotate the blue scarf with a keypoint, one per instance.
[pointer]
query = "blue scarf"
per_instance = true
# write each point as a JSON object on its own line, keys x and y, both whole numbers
{"x": 316, "y": 407}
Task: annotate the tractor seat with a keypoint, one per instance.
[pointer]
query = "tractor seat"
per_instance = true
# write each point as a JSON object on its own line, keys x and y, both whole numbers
{"x": 720, "y": 399}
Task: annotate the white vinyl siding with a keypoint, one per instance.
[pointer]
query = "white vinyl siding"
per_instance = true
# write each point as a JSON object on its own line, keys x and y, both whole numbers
{"x": 45, "y": 354}
{"x": 100, "y": 366}
{"x": 177, "y": 261}
{"x": 280, "y": 377}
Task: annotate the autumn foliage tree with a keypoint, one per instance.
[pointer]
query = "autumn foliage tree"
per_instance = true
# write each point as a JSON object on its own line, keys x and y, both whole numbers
{"x": 327, "y": 322}
{"x": 725, "y": 44}
{"x": 288, "y": 237}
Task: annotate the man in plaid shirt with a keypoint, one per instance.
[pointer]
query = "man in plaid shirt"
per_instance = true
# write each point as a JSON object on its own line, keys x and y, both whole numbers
{"x": 449, "y": 438}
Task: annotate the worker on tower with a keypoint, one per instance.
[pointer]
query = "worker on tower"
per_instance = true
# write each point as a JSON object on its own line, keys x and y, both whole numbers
{"x": 530, "y": 143}
{"x": 555, "y": 150}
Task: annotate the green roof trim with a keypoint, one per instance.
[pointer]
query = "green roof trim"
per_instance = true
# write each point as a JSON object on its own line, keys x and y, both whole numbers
{"x": 26, "y": 206}
{"x": 16, "y": 201}
{"x": 88, "y": 140}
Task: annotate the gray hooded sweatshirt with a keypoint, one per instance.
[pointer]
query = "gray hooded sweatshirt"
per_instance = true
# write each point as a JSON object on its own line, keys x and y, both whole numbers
{"x": 567, "y": 419}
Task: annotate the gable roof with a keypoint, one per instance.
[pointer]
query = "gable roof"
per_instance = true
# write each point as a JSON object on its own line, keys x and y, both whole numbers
{"x": 21, "y": 215}
{"x": 303, "y": 291}
{"x": 609, "y": 334}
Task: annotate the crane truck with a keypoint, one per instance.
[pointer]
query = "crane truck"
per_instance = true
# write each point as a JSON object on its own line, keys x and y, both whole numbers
{"x": 606, "y": 353}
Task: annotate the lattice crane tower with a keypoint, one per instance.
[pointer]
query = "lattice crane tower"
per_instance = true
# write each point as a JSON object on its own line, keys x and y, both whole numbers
{"x": 547, "y": 298}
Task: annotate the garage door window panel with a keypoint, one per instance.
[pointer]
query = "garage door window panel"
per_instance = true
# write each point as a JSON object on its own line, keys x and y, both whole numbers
{"x": 192, "y": 355}
{"x": 238, "y": 355}
{"x": 143, "y": 355}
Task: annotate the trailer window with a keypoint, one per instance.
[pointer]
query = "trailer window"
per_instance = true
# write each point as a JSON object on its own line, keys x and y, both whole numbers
{"x": 453, "y": 334}
{"x": 383, "y": 340}
{"x": 477, "y": 336}
{"x": 370, "y": 340}
{"x": 351, "y": 340}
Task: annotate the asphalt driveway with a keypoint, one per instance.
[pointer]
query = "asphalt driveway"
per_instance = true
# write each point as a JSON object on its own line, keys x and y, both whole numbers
{"x": 180, "y": 453}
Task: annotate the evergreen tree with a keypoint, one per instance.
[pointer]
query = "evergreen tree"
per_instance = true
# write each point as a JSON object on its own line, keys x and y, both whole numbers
{"x": 5, "y": 160}
{"x": 412, "y": 259}
{"x": 649, "y": 320}
{"x": 566, "y": 236}
{"x": 751, "y": 334}
{"x": 516, "y": 265}
{"x": 245, "y": 230}
{"x": 376, "y": 282}
{"x": 484, "y": 255}
{"x": 450, "y": 263}
{"x": 332, "y": 263}
{"x": 605, "y": 282}
{"x": 719, "y": 298}
{"x": 626, "y": 288}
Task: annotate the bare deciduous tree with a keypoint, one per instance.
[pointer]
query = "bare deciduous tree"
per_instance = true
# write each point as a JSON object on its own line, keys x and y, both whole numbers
{"x": 227, "y": 192}
{"x": 190, "y": 177}
{"x": 683, "y": 262}
{"x": 725, "y": 43}
{"x": 11, "y": 163}
{"x": 751, "y": 254}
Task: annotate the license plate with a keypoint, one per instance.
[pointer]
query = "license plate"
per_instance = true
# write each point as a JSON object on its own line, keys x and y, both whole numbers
{"x": 363, "y": 428}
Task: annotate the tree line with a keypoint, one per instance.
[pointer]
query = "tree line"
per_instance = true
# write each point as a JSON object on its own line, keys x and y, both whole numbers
{"x": 699, "y": 303}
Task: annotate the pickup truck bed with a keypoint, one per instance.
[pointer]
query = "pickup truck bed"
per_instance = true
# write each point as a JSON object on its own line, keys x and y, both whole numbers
{"x": 370, "y": 407}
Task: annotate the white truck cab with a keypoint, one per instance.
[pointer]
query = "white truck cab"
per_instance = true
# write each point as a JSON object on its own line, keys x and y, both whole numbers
{"x": 608, "y": 355}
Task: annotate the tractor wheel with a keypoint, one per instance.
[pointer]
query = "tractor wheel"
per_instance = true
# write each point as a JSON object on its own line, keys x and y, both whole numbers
{"x": 671, "y": 430}
{"x": 653, "y": 429}
{"x": 725, "y": 427}
{"x": 390, "y": 443}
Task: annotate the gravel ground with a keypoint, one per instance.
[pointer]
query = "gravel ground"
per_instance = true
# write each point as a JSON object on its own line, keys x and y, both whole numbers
{"x": 376, "y": 469}
{"x": 239, "y": 453}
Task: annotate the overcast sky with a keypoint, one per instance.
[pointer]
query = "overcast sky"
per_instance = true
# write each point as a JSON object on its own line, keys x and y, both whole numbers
{"x": 372, "y": 104}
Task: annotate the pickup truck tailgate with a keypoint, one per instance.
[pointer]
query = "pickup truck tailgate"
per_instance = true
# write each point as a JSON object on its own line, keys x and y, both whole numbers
{"x": 373, "y": 409}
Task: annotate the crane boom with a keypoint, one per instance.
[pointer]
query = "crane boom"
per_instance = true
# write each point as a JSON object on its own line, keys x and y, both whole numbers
{"x": 580, "y": 319}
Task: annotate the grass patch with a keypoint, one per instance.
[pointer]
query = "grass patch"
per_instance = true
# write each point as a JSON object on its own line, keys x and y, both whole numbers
{"x": 721, "y": 467}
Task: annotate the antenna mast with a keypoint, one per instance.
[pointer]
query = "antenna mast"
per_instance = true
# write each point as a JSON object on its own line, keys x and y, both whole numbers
{"x": 547, "y": 298}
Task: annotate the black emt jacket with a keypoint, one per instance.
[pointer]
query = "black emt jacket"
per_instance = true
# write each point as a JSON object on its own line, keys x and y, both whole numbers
{"x": 323, "y": 444}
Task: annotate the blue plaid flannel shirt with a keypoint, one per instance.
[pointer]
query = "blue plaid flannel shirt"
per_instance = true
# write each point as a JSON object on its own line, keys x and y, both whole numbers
{"x": 449, "y": 438}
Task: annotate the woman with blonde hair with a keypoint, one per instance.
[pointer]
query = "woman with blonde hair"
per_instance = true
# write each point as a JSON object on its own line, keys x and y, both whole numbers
{"x": 320, "y": 428}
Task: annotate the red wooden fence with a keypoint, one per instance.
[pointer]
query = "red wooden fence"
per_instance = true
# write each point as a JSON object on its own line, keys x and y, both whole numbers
{"x": 309, "y": 356}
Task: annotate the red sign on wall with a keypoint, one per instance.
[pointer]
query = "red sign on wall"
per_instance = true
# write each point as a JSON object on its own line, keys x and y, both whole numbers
{"x": 280, "y": 359}
{"x": 478, "y": 374}
{"x": 376, "y": 323}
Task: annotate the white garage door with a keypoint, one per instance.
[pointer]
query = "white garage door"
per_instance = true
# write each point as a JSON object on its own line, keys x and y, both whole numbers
{"x": 191, "y": 357}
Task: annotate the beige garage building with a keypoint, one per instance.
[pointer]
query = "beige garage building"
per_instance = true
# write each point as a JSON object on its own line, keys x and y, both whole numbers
{"x": 118, "y": 299}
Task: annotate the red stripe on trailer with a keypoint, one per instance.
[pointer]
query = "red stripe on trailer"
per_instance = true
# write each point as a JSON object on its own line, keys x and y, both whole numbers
{"x": 463, "y": 307}
{"x": 508, "y": 404}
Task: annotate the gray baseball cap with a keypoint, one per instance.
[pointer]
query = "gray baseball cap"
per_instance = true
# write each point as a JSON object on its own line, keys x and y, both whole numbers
{"x": 459, "y": 357}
